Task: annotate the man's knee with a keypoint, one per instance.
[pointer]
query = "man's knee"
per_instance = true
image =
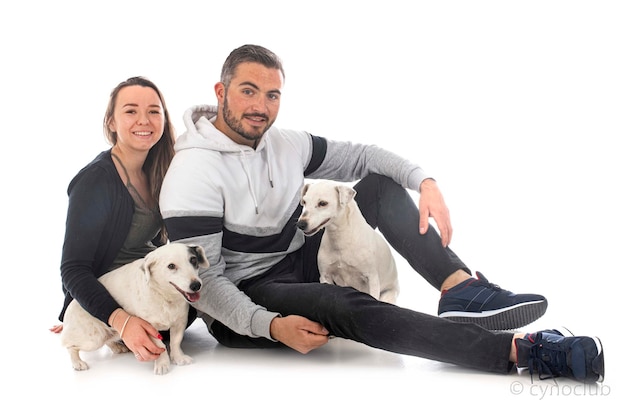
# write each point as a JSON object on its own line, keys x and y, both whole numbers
{"x": 377, "y": 183}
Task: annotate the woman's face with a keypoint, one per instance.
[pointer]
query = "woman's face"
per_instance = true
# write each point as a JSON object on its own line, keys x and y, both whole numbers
{"x": 138, "y": 118}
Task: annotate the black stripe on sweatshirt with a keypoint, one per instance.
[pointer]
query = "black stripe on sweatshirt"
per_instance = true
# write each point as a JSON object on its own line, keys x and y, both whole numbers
{"x": 192, "y": 226}
{"x": 317, "y": 156}
{"x": 262, "y": 244}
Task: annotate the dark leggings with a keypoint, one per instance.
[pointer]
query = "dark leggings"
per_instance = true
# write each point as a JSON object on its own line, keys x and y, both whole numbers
{"x": 292, "y": 288}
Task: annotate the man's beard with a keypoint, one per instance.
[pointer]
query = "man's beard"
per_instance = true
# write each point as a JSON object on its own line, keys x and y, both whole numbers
{"x": 236, "y": 125}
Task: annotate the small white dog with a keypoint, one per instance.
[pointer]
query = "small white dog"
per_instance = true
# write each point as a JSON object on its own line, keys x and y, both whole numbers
{"x": 156, "y": 288}
{"x": 351, "y": 253}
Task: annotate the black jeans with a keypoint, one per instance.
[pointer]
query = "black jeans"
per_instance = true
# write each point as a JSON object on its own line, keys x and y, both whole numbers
{"x": 292, "y": 287}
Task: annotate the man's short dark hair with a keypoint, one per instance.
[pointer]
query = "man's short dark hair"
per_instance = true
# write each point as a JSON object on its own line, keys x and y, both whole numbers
{"x": 249, "y": 53}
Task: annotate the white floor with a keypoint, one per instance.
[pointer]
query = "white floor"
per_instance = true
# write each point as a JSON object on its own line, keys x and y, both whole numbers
{"x": 341, "y": 376}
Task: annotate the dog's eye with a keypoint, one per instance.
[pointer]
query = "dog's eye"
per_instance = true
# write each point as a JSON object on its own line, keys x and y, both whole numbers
{"x": 322, "y": 203}
{"x": 171, "y": 266}
{"x": 193, "y": 261}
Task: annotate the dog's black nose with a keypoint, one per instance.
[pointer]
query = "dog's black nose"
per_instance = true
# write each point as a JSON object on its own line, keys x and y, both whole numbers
{"x": 195, "y": 286}
{"x": 301, "y": 225}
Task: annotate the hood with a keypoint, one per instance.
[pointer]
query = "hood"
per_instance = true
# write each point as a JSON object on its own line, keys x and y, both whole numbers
{"x": 201, "y": 133}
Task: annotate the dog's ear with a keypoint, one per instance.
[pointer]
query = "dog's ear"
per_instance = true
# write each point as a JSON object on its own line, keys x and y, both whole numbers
{"x": 305, "y": 187}
{"x": 199, "y": 252}
{"x": 146, "y": 266}
{"x": 345, "y": 194}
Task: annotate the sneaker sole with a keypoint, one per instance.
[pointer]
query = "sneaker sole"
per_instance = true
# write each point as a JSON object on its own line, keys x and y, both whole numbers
{"x": 508, "y": 318}
{"x": 598, "y": 363}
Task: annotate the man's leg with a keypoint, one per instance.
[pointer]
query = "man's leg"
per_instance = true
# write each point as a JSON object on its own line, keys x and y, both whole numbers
{"x": 289, "y": 288}
{"x": 389, "y": 207}
{"x": 231, "y": 339}
{"x": 350, "y": 314}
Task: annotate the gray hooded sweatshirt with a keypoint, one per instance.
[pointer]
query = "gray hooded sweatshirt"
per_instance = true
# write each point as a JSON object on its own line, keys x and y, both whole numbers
{"x": 241, "y": 204}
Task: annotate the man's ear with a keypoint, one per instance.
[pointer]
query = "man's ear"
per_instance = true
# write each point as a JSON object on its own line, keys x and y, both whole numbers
{"x": 220, "y": 91}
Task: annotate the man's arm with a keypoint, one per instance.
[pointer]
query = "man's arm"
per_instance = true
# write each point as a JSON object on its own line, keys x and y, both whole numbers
{"x": 346, "y": 161}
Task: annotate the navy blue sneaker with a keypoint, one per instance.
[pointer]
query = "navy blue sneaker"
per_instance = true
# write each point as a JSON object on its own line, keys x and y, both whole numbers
{"x": 551, "y": 355}
{"x": 476, "y": 300}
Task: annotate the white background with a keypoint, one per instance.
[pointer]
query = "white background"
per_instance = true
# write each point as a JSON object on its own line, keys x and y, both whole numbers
{"x": 516, "y": 108}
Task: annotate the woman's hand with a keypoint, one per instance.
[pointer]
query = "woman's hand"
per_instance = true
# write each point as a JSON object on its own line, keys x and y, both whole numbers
{"x": 137, "y": 335}
{"x": 57, "y": 328}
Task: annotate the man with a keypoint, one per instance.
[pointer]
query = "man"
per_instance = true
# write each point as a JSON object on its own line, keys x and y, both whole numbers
{"x": 234, "y": 188}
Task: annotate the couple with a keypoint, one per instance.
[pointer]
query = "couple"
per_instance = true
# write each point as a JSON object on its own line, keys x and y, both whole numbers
{"x": 231, "y": 183}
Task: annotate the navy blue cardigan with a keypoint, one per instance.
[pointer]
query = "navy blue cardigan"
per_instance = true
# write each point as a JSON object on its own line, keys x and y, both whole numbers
{"x": 99, "y": 217}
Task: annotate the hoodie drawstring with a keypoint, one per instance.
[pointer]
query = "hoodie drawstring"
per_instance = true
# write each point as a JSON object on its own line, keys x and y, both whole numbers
{"x": 246, "y": 169}
{"x": 269, "y": 163}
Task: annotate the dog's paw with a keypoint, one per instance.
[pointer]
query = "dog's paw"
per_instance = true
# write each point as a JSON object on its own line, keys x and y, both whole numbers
{"x": 80, "y": 365}
{"x": 161, "y": 369}
{"x": 162, "y": 364}
{"x": 118, "y": 347}
{"x": 182, "y": 360}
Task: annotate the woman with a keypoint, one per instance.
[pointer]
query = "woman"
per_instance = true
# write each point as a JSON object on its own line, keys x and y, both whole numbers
{"x": 113, "y": 215}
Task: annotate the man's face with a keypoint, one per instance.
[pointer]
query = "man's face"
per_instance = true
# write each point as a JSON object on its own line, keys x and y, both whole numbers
{"x": 249, "y": 106}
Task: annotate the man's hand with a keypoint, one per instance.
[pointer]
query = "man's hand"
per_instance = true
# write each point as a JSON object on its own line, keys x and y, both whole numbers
{"x": 298, "y": 333}
{"x": 431, "y": 204}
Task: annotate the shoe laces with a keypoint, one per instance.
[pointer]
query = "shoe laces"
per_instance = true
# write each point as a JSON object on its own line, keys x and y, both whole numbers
{"x": 480, "y": 278}
{"x": 547, "y": 360}
{"x": 482, "y": 281}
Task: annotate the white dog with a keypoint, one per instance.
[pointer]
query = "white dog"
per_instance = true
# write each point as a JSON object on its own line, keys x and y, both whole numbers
{"x": 156, "y": 288}
{"x": 351, "y": 253}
